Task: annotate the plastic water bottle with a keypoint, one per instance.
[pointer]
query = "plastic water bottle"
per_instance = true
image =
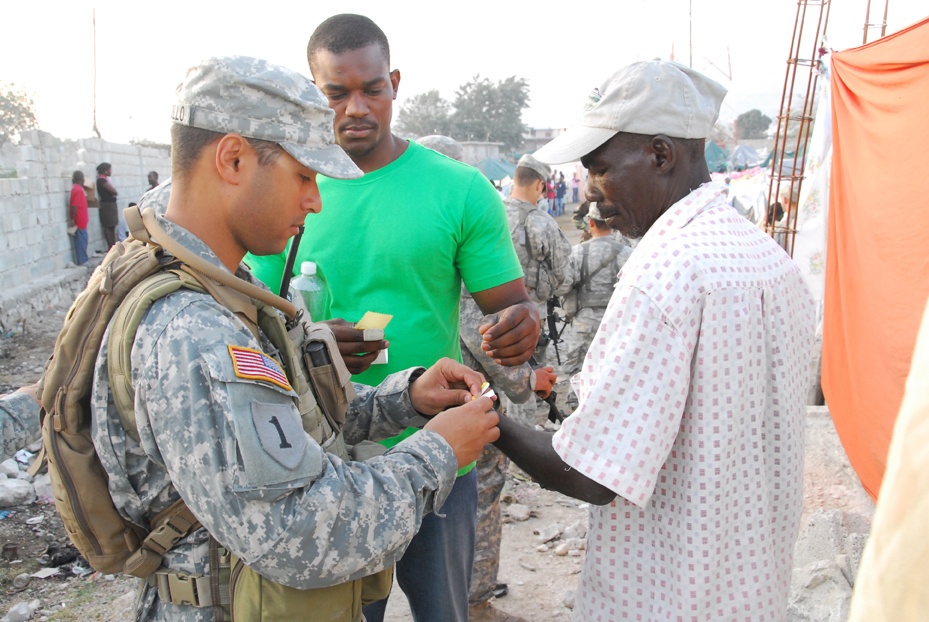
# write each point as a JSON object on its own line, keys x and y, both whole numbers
{"x": 311, "y": 289}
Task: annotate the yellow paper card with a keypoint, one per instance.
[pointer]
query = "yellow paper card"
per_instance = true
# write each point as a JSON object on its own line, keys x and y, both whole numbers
{"x": 373, "y": 320}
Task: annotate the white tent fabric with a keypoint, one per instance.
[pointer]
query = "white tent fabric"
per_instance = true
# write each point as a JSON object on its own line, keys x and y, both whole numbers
{"x": 812, "y": 216}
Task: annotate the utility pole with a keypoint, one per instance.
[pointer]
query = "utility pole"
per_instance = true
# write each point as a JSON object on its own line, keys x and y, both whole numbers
{"x": 96, "y": 130}
{"x": 690, "y": 32}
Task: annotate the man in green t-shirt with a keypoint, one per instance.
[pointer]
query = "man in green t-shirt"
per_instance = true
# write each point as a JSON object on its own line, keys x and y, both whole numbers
{"x": 400, "y": 241}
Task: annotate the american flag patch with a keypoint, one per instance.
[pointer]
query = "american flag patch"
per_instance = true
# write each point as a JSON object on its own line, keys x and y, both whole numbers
{"x": 256, "y": 365}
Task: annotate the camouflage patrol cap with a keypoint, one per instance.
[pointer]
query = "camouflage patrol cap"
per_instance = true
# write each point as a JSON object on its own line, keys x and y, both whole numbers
{"x": 445, "y": 145}
{"x": 527, "y": 161}
{"x": 257, "y": 99}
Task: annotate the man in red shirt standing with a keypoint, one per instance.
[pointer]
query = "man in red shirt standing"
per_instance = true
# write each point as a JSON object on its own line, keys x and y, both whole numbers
{"x": 77, "y": 217}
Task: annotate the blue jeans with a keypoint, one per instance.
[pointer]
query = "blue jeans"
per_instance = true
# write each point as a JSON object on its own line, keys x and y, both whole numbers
{"x": 80, "y": 247}
{"x": 435, "y": 571}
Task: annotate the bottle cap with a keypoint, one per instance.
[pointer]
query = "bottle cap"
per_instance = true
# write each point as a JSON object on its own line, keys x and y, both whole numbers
{"x": 308, "y": 268}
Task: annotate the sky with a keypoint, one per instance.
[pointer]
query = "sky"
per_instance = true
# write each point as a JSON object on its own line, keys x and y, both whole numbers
{"x": 144, "y": 49}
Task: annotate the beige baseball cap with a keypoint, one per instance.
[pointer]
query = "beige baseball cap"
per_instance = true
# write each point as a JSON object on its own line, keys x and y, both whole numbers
{"x": 649, "y": 97}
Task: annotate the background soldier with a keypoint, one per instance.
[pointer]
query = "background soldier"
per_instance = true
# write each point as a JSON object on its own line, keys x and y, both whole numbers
{"x": 518, "y": 383}
{"x": 592, "y": 273}
{"x": 543, "y": 252}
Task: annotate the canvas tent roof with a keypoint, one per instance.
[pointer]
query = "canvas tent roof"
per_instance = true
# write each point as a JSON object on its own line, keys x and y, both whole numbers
{"x": 716, "y": 157}
{"x": 496, "y": 170}
{"x": 744, "y": 156}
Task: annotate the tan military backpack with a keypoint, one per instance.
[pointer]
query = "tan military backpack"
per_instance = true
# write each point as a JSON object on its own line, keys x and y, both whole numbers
{"x": 142, "y": 272}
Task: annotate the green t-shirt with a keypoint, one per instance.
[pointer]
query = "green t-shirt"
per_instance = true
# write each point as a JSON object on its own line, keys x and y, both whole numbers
{"x": 399, "y": 241}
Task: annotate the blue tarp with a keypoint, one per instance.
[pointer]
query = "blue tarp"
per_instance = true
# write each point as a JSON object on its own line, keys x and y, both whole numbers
{"x": 717, "y": 160}
{"x": 496, "y": 170}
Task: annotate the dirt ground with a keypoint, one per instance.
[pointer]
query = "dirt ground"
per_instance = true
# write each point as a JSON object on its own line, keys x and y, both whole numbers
{"x": 541, "y": 577}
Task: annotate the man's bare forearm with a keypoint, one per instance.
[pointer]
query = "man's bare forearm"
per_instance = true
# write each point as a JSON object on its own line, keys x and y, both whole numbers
{"x": 532, "y": 451}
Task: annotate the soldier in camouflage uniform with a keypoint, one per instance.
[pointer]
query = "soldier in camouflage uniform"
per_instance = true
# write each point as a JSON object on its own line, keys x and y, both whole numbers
{"x": 219, "y": 423}
{"x": 19, "y": 420}
{"x": 519, "y": 384}
{"x": 543, "y": 252}
{"x": 592, "y": 273}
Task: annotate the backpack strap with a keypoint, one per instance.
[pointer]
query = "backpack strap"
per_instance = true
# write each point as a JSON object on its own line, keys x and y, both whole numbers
{"x": 145, "y": 224}
{"x": 123, "y": 328}
{"x": 168, "y": 527}
{"x": 524, "y": 213}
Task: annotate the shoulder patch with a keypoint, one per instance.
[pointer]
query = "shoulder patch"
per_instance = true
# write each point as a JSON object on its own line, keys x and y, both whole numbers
{"x": 280, "y": 432}
{"x": 256, "y": 365}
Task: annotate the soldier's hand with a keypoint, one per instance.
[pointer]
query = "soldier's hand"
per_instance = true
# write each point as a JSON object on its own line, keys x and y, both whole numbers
{"x": 545, "y": 379}
{"x": 468, "y": 428}
{"x": 511, "y": 335}
{"x": 447, "y": 383}
{"x": 357, "y": 353}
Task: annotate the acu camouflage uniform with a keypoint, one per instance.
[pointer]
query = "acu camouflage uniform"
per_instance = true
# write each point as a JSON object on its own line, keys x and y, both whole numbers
{"x": 234, "y": 448}
{"x": 543, "y": 252}
{"x": 19, "y": 423}
{"x": 542, "y": 248}
{"x": 517, "y": 383}
{"x": 592, "y": 274}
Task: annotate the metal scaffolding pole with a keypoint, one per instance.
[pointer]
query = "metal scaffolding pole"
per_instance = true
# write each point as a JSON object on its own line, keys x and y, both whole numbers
{"x": 795, "y": 120}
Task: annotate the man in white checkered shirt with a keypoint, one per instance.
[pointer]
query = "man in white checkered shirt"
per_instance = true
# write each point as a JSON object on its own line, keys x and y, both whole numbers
{"x": 688, "y": 436}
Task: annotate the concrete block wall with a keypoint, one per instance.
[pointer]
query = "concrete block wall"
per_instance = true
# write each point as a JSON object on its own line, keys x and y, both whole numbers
{"x": 35, "y": 248}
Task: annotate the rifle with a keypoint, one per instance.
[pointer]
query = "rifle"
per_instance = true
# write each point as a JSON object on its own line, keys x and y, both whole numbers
{"x": 554, "y": 335}
{"x": 554, "y": 413}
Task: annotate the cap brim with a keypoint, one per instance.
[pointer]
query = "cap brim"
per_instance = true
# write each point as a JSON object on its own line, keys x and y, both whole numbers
{"x": 330, "y": 161}
{"x": 573, "y": 144}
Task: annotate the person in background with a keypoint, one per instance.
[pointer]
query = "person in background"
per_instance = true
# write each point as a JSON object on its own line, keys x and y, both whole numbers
{"x": 688, "y": 436}
{"x": 561, "y": 189}
{"x": 106, "y": 194}
{"x": 78, "y": 217}
{"x": 518, "y": 383}
{"x": 550, "y": 193}
{"x": 427, "y": 223}
{"x": 575, "y": 186}
{"x": 592, "y": 273}
{"x": 543, "y": 252}
{"x": 152, "y": 179}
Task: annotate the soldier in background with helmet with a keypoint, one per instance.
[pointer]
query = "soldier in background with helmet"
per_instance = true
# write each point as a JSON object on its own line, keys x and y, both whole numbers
{"x": 592, "y": 273}
{"x": 518, "y": 383}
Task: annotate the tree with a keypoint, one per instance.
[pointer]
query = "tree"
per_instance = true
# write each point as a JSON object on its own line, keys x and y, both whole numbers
{"x": 425, "y": 114}
{"x": 752, "y": 124}
{"x": 491, "y": 112}
{"x": 17, "y": 112}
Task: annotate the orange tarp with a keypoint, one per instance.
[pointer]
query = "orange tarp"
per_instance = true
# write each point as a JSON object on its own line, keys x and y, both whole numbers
{"x": 877, "y": 268}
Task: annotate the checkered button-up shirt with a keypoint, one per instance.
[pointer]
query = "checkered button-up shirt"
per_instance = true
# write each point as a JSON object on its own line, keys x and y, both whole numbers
{"x": 692, "y": 405}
